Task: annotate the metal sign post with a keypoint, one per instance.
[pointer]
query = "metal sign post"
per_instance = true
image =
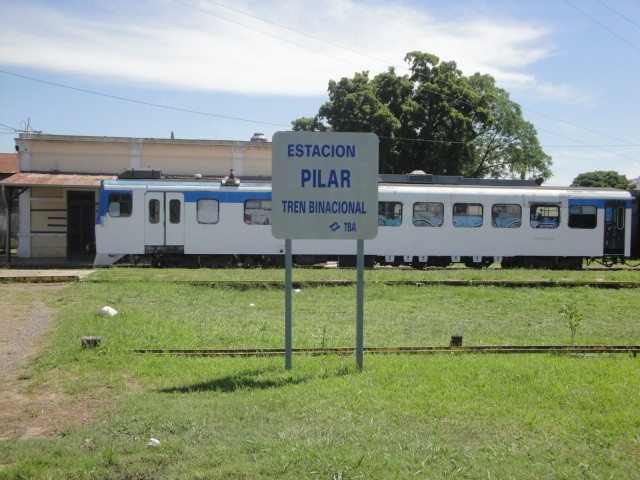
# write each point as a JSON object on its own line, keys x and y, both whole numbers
{"x": 360, "y": 305}
{"x": 288, "y": 342}
{"x": 325, "y": 186}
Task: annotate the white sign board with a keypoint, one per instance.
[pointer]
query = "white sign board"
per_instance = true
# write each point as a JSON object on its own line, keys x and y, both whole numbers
{"x": 325, "y": 185}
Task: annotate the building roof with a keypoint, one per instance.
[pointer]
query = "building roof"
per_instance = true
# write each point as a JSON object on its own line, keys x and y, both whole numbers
{"x": 30, "y": 179}
{"x": 75, "y": 139}
{"x": 9, "y": 163}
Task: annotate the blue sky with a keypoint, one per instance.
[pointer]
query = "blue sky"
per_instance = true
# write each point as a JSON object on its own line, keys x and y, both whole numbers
{"x": 223, "y": 70}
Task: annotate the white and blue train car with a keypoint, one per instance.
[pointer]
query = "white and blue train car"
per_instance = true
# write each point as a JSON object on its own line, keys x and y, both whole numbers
{"x": 228, "y": 223}
{"x": 170, "y": 218}
{"x": 517, "y": 226}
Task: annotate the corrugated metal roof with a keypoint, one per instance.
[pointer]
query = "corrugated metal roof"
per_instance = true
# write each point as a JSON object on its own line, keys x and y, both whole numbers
{"x": 29, "y": 179}
{"x": 9, "y": 163}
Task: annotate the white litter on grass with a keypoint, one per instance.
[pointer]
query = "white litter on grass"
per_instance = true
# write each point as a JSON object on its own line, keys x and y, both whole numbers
{"x": 154, "y": 442}
{"x": 108, "y": 311}
{"x": 252, "y": 304}
{"x": 297, "y": 290}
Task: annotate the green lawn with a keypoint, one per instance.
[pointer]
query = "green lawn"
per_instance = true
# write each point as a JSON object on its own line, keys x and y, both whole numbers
{"x": 403, "y": 416}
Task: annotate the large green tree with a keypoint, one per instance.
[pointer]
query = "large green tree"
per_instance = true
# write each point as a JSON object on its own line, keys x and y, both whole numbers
{"x": 600, "y": 178}
{"x": 434, "y": 119}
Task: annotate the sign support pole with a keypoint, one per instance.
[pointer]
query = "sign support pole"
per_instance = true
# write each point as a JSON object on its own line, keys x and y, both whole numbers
{"x": 360, "y": 305}
{"x": 288, "y": 262}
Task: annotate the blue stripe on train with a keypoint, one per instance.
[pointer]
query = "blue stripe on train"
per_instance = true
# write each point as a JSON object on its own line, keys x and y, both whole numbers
{"x": 225, "y": 196}
{"x": 595, "y": 202}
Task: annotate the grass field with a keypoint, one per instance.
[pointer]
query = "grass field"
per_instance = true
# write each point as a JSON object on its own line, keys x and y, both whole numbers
{"x": 459, "y": 416}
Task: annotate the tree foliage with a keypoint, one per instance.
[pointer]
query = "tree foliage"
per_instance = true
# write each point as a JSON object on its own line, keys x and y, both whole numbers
{"x": 436, "y": 120}
{"x": 602, "y": 178}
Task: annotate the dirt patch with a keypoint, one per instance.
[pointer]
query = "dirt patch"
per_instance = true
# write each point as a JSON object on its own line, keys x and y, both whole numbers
{"x": 24, "y": 317}
{"x": 42, "y": 410}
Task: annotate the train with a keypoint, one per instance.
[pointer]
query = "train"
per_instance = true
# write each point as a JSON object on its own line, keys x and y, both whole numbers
{"x": 424, "y": 221}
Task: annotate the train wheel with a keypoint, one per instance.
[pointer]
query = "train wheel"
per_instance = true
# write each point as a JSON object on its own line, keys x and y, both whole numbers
{"x": 569, "y": 263}
{"x": 227, "y": 261}
{"x": 485, "y": 262}
{"x": 440, "y": 262}
{"x": 157, "y": 263}
{"x": 418, "y": 265}
{"x": 351, "y": 261}
{"x": 347, "y": 261}
{"x": 249, "y": 262}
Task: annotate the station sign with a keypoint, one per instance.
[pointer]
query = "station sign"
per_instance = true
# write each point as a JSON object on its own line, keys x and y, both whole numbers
{"x": 325, "y": 185}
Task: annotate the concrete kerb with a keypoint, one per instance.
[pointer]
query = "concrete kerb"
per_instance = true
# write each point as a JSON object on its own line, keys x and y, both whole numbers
{"x": 42, "y": 276}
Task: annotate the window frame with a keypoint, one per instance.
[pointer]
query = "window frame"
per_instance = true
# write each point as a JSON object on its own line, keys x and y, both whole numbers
{"x": 261, "y": 202}
{"x": 535, "y": 215}
{"x": 198, "y": 211}
{"x": 389, "y": 217}
{"x": 466, "y": 214}
{"x": 155, "y": 219}
{"x": 513, "y": 224}
{"x": 424, "y": 222}
{"x": 123, "y": 199}
{"x": 173, "y": 220}
{"x": 583, "y": 221}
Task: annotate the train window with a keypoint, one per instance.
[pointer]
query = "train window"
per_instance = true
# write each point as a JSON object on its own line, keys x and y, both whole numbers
{"x": 257, "y": 212}
{"x": 208, "y": 211}
{"x": 389, "y": 214}
{"x": 467, "y": 215}
{"x": 506, "y": 216}
{"x": 120, "y": 204}
{"x": 544, "y": 216}
{"x": 154, "y": 210}
{"x": 174, "y": 211}
{"x": 620, "y": 219}
{"x": 583, "y": 216}
{"x": 428, "y": 214}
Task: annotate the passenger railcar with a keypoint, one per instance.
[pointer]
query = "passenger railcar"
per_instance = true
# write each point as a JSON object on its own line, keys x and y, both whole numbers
{"x": 227, "y": 223}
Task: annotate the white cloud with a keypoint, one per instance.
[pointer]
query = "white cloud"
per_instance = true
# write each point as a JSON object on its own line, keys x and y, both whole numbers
{"x": 167, "y": 44}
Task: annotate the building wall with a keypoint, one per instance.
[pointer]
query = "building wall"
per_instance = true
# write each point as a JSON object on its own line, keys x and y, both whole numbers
{"x": 112, "y": 155}
{"x": 48, "y": 222}
{"x": 81, "y": 157}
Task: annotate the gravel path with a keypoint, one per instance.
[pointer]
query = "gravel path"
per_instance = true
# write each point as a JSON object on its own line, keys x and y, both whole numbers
{"x": 23, "y": 319}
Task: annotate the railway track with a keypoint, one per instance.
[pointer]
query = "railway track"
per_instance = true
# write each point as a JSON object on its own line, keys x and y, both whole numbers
{"x": 613, "y": 284}
{"x": 424, "y": 283}
{"x": 489, "y": 349}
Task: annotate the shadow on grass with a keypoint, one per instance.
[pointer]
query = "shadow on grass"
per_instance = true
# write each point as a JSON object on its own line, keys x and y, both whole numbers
{"x": 249, "y": 380}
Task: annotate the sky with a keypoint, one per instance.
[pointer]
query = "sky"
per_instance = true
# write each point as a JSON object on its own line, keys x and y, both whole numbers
{"x": 223, "y": 69}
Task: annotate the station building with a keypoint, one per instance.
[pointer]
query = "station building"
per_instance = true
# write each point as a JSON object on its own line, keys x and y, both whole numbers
{"x": 57, "y": 180}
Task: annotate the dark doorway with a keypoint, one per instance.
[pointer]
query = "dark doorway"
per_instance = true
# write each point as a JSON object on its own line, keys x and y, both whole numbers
{"x": 614, "y": 213}
{"x": 81, "y": 212}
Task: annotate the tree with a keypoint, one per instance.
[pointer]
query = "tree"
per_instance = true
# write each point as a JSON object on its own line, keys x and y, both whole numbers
{"x": 506, "y": 144}
{"x": 309, "y": 124}
{"x": 601, "y": 178}
{"x": 434, "y": 119}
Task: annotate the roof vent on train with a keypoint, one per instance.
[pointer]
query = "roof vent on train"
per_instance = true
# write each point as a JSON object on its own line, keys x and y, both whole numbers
{"x": 231, "y": 180}
{"x": 133, "y": 174}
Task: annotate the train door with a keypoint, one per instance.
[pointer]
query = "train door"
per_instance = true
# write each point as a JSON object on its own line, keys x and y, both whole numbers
{"x": 164, "y": 219}
{"x": 614, "y": 225}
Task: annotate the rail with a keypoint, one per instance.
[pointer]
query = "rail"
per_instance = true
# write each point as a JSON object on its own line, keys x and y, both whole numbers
{"x": 489, "y": 349}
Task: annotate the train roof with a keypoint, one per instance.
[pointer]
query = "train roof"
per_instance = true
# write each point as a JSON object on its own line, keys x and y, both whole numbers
{"x": 388, "y": 182}
{"x": 429, "y": 179}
